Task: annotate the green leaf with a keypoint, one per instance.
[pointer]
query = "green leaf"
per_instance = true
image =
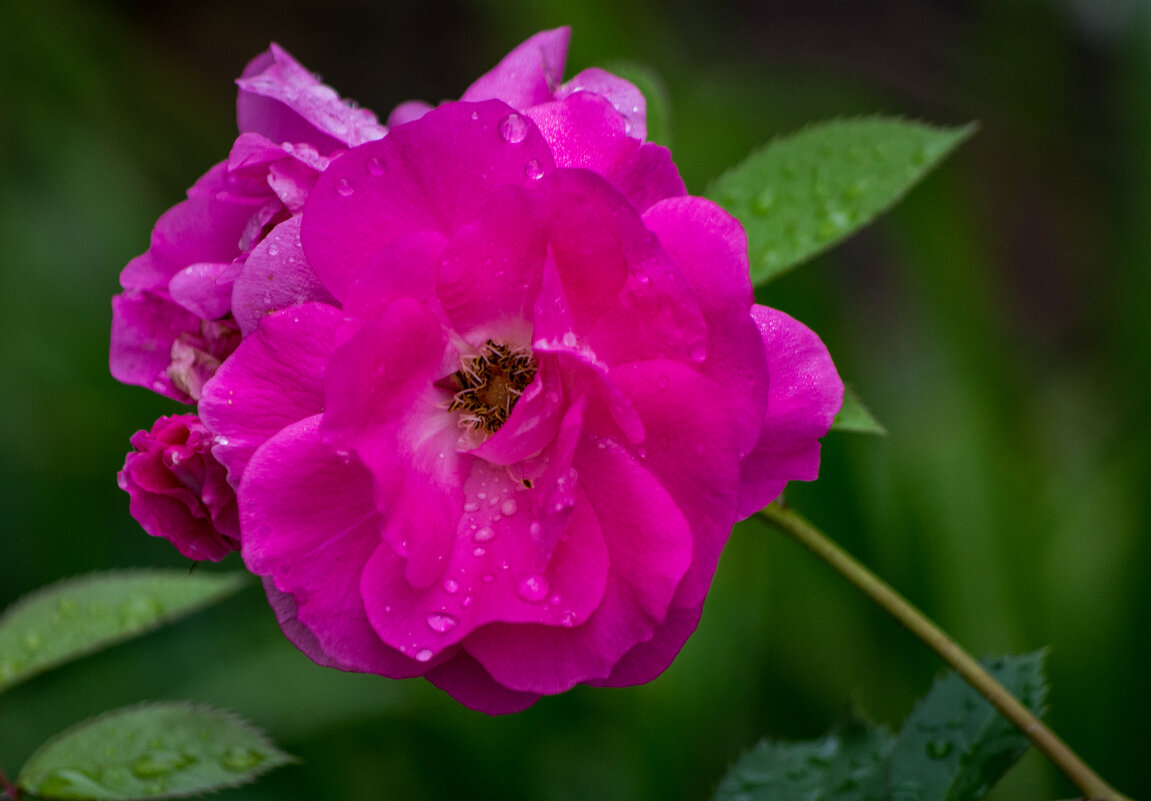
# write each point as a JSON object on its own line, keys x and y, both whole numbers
{"x": 846, "y": 765}
{"x": 654, "y": 92}
{"x": 955, "y": 745}
{"x": 803, "y": 193}
{"x": 80, "y": 615}
{"x": 855, "y": 417}
{"x": 167, "y": 750}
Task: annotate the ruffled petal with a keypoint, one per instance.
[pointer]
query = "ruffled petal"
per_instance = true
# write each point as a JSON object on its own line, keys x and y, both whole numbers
{"x": 281, "y": 100}
{"x": 310, "y": 526}
{"x": 805, "y": 395}
{"x": 274, "y": 379}
{"x": 463, "y": 678}
{"x": 623, "y": 95}
{"x": 435, "y": 174}
{"x": 275, "y": 275}
{"x": 144, "y": 326}
{"x": 528, "y": 74}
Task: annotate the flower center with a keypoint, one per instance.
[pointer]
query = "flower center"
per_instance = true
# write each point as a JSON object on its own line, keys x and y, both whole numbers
{"x": 490, "y": 384}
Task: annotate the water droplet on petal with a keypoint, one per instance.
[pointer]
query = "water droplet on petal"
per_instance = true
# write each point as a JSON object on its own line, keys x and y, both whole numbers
{"x": 513, "y": 128}
{"x": 344, "y": 187}
{"x": 508, "y": 507}
{"x": 471, "y": 506}
{"x": 441, "y": 623}
{"x": 467, "y": 601}
{"x": 375, "y": 167}
{"x": 478, "y": 552}
{"x": 424, "y": 654}
{"x": 697, "y": 352}
{"x": 451, "y": 586}
{"x": 533, "y": 588}
{"x": 483, "y": 535}
{"x": 534, "y": 170}
{"x": 556, "y": 599}
{"x": 273, "y": 250}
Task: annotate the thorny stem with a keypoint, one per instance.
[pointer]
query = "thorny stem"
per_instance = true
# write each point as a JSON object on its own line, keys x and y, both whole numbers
{"x": 795, "y": 526}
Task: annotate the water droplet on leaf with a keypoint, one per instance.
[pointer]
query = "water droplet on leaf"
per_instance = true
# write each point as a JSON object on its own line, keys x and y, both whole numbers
{"x": 240, "y": 758}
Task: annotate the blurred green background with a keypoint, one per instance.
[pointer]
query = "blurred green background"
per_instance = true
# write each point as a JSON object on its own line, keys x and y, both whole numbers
{"x": 996, "y": 322}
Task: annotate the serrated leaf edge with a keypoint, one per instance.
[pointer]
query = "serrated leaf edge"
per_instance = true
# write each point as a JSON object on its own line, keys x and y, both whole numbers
{"x": 276, "y": 757}
{"x": 962, "y": 134}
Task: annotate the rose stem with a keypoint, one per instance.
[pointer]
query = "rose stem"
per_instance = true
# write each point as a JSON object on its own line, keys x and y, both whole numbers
{"x": 795, "y": 526}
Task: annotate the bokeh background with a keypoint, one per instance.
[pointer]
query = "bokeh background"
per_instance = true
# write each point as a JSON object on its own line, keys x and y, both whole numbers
{"x": 997, "y": 322}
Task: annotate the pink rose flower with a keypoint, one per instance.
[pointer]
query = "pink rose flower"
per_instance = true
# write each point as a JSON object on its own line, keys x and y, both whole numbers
{"x": 509, "y": 460}
{"x": 179, "y": 491}
{"x": 187, "y": 300}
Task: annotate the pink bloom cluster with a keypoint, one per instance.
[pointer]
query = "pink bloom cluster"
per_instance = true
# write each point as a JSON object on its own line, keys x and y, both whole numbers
{"x": 502, "y": 389}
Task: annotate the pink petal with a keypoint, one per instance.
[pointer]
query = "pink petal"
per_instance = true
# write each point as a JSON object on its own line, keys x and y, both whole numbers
{"x": 408, "y": 111}
{"x": 528, "y": 74}
{"x": 805, "y": 395}
{"x": 623, "y": 96}
{"x": 274, "y": 379}
{"x": 463, "y": 678}
{"x": 647, "y": 660}
{"x": 281, "y": 100}
{"x": 204, "y": 288}
{"x": 496, "y": 573}
{"x": 144, "y": 326}
{"x": 406, "y": 268}
{"x": 276, "y": 275}
{"x": 434, "y": 174}
{"x": 710, "y": 248}
{"x": 310, "y": 526}
{"x": 585, "y": 131}
{"x": 649, "y": 547}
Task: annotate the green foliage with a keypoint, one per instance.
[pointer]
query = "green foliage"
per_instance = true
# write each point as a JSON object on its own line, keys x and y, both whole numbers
{"x": 168, "y": 750}
{"x": 803, "y": 193}
{"x": 846, "y": 765}
{"x": 856, "y": 417}
{"x": 953, "y": 747}
{"x": 80, "y": 615}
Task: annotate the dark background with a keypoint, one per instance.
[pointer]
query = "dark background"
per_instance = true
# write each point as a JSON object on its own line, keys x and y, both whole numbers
{"x": 996, "y": 322}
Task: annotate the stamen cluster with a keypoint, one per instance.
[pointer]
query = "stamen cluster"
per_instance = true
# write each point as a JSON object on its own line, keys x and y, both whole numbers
{"x": 490, "y": 384}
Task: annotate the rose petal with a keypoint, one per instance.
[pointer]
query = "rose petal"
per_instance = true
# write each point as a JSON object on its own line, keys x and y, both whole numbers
{"x": 434, "y": 174}
{"x": 274, "y": 276}
{"x": 623, "y": 95}
{"x": 805, "y": 395}
{"x": 144, "y": 326}
{"x": 310, "y": 526}
{"x": 528, "y": 74}
{"x": 274, "y": 379}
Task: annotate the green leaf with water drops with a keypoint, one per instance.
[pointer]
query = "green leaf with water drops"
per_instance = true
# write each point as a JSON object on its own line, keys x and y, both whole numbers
{"x": 955, "y": 746}
{"x": 849, "y": 764}
{"x": 80, "y": 615}
{"x": 164, "y": 750}
{"x": 803, "y": 193}
{"x": 855, "y": 417}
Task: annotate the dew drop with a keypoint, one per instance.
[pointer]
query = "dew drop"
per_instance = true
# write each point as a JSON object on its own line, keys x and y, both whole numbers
{"x": 697, "y": 352}
{"x": 513, "y": 128}
{"x": 484, "y": 534}
{"x": 555, "y": 600}
{"x": 533, "y": 588}
{"x": 441, "y": 623}
{"x": 534, "y": 170}
{"x": 489, "y": 578}
{"x": 467, "y": 601}
{"x": 569, "y": 339}
{"x": 451, "y": 586}
{"x": 160, "y": 763}
{"x": 424, "y": 654}
{"x": 508, "y": 507}
{"x": 375, "y": 167}
{"x": 478, "y": 552}
{"x": 32, "y": 641}
{"x": 763, "y": 201}
{"x": 471, "y": 506}
{"x": 273, "y": 250}
{"x": 534, "y": 529}
{"x": 344, "y": 187}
